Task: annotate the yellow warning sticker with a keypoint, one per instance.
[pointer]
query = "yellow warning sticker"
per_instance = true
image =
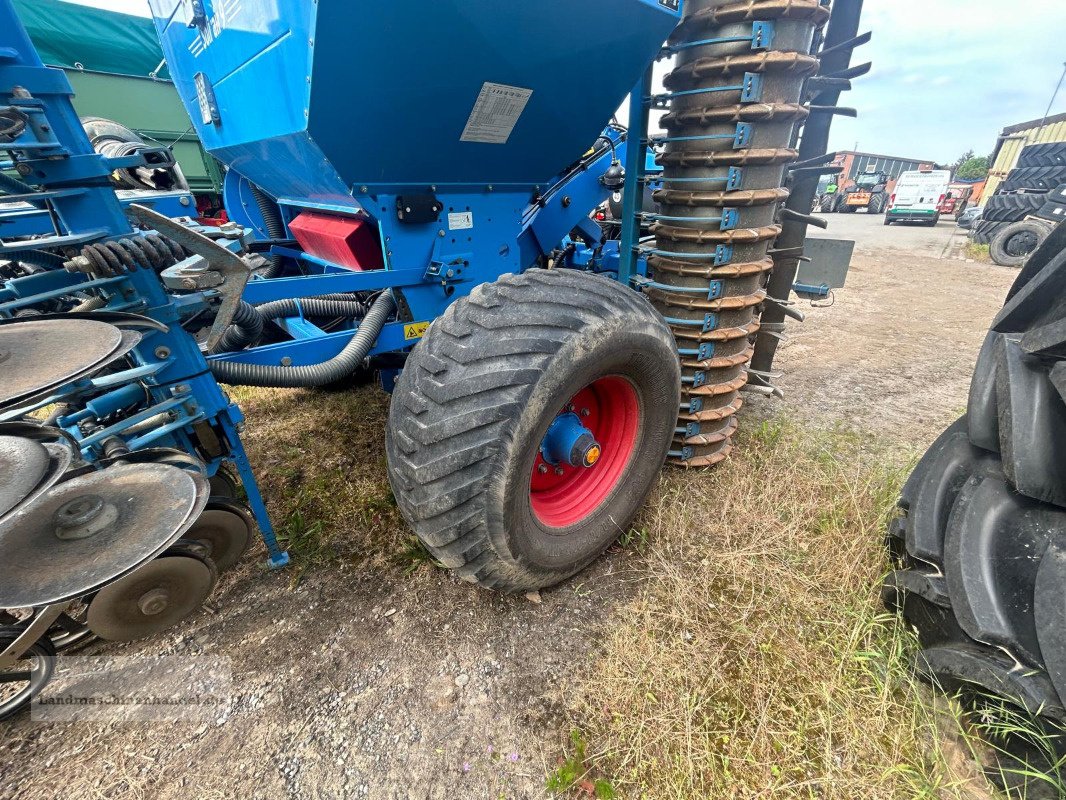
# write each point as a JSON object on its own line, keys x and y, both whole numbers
{"x": 416, "y": 330}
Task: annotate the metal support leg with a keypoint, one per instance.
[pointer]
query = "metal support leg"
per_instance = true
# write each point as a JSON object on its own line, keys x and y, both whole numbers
{"x": 277, "y": 558}
{"x": 37, "y": 628}
{"x": 636, "y": 159}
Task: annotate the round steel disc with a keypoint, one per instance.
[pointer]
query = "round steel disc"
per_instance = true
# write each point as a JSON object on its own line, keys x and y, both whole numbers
{"x": 152, "y": 598}
{"x": 225, "y": 528}
{"x": 23, "y": 465}
{"x": 36, "y": 355}
{"x": 143, "y": 508}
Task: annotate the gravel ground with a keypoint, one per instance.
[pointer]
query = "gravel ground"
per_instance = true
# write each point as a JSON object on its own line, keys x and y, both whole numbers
{"x": 386, "y": 685}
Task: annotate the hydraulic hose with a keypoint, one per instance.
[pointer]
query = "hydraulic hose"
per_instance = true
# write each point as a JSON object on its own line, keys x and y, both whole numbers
{"x": 246, "y": 329}
{"x": 334, "y": 306}
{"x": 335, "y": 369}
{"x": 275, "y": 227}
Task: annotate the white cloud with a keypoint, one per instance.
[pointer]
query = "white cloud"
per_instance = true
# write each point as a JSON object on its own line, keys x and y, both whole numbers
{"x": 948, "y": 75}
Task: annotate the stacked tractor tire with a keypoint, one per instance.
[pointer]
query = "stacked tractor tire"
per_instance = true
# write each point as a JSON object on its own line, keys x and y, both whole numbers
{"x": 1026, "y": 207}
{"x": 981, "y": 537}
{"x": 733, "y": 105}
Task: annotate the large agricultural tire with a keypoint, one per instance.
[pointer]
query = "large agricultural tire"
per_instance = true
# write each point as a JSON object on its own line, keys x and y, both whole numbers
{"x": 1012, "y": 207}
{"x": 983, "y": 231}
{"x": 1050, "y": 154}
{"x": 474, "y": 403}
{"x": 980, "y": 540}
{"x": 877, "y": 204}
{"x": 1013, "y": 244}
{"x": 1040, "y": 179}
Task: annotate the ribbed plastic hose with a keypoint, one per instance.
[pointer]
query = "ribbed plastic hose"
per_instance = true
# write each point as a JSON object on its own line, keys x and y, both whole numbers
{"x": 723, "y": 171}
{"x": 245, "y": 329}
{"x": 274, "y": 225}
{"x": 335, "y": 369}
{"x": 332, "y": 306}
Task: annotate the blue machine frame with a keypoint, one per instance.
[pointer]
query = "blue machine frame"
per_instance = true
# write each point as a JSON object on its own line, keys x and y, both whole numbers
{"x": 54, "y": 153}
{"x": 500, "y": 211}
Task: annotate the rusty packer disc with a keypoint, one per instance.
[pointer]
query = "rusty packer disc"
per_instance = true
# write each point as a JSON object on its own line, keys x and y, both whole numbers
{"x": 36, "y": 355}
{"x": 92, "y": 529}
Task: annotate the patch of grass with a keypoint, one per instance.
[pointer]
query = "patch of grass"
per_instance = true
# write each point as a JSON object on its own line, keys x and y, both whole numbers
{"x": 414, "y": 555}
{"x": 756, "y": 660}
{"x": 978, "y": 252}
{"x": 320, "y": 461}
{"x": 572, "y": 775}
{"x": 634, "y": 539}
{"x": 1022, "y": 753}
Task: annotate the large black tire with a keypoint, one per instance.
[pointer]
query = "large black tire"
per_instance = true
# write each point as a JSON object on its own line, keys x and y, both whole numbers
{"x": 1012, "y": 207}
{"x": 475, "y": 400}
{"x": 983, "y": 231}
{"x": 1051, "y": 154}
{"x": 1041, "y": 179}
{"x": 980, "y": 543}
{"x": 877, "y": 204}
{"x": 1013, "y": 244}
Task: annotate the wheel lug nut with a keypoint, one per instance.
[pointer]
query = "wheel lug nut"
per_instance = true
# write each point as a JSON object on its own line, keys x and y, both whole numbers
{"x": 543, "y": 468}
{"x": 585, "y": 412}
{"x": 558, "y": 470}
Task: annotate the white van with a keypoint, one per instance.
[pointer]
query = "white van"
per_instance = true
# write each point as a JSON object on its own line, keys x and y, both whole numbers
{"x": 918, "y": 196}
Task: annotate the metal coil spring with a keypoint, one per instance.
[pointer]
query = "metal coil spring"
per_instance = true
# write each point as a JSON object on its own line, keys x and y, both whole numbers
{"x": 122, "y": 256}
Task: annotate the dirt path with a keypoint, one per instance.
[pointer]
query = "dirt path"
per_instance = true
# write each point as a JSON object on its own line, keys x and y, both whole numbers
{"x": 376, "y": 684}
{"x": 896, "y": 351}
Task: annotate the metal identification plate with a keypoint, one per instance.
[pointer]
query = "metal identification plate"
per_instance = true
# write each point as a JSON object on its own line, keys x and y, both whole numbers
{"x": 460, "y": 220}
{"x": 495, "y": 113}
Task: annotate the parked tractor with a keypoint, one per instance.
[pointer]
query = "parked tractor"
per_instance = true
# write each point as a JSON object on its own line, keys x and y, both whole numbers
{"x": 869, "y": 191}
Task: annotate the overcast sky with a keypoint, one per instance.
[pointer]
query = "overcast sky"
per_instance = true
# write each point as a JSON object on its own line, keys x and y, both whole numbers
{"x": 948, "y": 74}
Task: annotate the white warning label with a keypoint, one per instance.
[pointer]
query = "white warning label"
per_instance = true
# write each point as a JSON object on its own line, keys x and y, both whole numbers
{"x": 495, "y": 113}
{"x": 460, "y": 221}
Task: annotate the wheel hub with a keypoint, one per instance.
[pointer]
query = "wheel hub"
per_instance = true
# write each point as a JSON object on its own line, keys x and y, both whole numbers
{"x": 585, "y": 452}
{"x": 567, "y": 440}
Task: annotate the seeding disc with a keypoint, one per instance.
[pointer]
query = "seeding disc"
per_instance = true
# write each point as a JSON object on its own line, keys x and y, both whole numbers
{"x": 152, "y": 598}
{"x": 225, "y": 528}
{"x": 37, "y": 355}
{"x": 23, "y": 465}
{"x": 23, "y": 477}
{"x": 92, "y": 529}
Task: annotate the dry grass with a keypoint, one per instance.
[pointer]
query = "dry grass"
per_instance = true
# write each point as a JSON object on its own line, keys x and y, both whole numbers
{"x": 320, "y": 462}
{"x": 978, "y": 252}
{"x": 756, "y": 660}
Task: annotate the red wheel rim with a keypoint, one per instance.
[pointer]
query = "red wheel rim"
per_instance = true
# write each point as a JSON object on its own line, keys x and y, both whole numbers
{"x": 610, "y": 409}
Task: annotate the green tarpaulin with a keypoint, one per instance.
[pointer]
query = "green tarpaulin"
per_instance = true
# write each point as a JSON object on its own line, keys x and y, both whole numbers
{"x": 79, "y": 37}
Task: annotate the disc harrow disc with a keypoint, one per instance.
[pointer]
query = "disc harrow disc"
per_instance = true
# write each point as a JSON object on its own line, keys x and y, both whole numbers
{"x": 225, "y": 528}
{"x": 152, "y": 598}
{"x": 38, "y": 355}
{"x": 28, "y": 468}
{"x": 92, "y": 529}
{"x": 23, "y": 465}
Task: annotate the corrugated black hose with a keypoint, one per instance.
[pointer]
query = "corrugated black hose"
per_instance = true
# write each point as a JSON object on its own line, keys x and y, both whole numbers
{"x": 246, "y": 329}
{"x": 338, "y": 368}
{"x": 275, "y": 227}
